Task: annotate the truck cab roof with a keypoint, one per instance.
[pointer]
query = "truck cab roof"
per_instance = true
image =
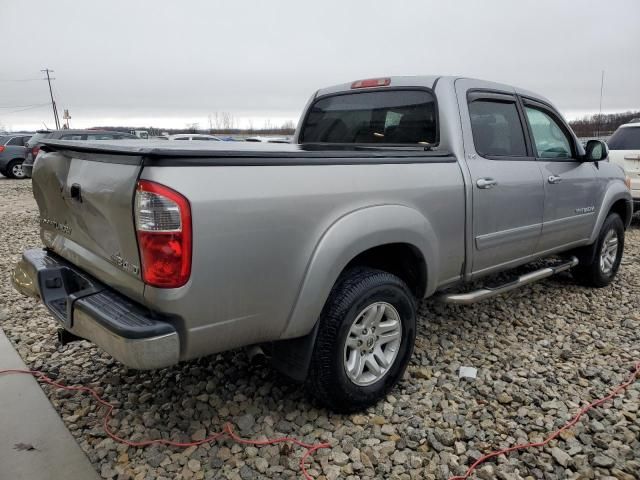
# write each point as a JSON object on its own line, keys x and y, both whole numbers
{"x": 428, "y": 81}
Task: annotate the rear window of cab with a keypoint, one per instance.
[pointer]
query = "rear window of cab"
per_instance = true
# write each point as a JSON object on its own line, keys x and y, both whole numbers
{"x": 400, "y": 117}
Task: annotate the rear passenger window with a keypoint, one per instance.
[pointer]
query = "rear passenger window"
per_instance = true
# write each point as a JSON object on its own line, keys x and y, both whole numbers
{"x": 497, "y": 129}
{"x": 15, "y": 141}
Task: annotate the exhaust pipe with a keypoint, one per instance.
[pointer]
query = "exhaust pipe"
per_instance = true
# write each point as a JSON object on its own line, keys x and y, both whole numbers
{"x": 65, "y": 337}
{"x": 256, "y": 355}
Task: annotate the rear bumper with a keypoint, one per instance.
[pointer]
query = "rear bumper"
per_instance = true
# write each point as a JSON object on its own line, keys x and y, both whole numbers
{"x": 27, "y": 169}
{"x": 27, "y": 166}
{"x": 128, "y": 331}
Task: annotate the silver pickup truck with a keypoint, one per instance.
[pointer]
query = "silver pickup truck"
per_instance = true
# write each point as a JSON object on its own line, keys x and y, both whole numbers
{"x": 395, "y": 189}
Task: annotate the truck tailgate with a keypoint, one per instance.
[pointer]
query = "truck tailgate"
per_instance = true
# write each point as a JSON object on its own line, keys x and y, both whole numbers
{"x": 86, "y": 214}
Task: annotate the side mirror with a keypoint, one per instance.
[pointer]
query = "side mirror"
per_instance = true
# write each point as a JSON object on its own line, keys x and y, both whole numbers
{"x": 595, "y": 151}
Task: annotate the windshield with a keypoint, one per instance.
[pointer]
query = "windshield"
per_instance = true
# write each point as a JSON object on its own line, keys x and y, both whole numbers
{"x": 380, "y": 117}
{"x": 626, "y": 138}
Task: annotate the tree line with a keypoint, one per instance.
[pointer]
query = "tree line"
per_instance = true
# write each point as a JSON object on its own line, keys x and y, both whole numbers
{"x": 602, "y": 124}
{"x": 220, "y": 123}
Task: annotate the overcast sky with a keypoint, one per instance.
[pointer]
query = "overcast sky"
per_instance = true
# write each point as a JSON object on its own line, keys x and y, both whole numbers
{"x": 167, "y": 63}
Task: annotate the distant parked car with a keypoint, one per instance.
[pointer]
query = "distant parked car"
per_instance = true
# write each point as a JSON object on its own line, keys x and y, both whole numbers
{"x": 194, "y": 136}
{"x": 12, "y": 154}
{"x": 33, "y": 145}
{"x": 268, "y": 139}
{"x": 140, "y": 134}
{"x": 624, "y": 149}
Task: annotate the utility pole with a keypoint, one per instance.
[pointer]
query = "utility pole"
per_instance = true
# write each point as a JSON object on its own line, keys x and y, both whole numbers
{"x": 53, "y": 102}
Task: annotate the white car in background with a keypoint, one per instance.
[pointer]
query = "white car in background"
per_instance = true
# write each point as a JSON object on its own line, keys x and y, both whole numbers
{"x": 624, "y": 149}
{"x": 268, "y": 139}
{"x": 194, "y": 136}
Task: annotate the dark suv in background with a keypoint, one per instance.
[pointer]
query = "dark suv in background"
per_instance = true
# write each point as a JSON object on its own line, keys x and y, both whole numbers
{"x": 33, "y": 145}
{"x": 12, "y": 154}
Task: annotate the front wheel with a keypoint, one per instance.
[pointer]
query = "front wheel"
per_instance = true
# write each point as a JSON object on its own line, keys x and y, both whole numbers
{"x": 365, "y": 340}
{"x": 14, "y": 169}
{"x": 604, "y": 264}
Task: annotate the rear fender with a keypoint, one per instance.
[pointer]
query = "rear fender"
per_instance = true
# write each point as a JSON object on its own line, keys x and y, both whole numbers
{"x": 346, "y": 238}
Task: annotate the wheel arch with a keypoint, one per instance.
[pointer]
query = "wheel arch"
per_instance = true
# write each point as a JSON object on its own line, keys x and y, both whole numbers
{"x": 616, "y": 199}
{"x": 366, "y": 237}
{"x": 623, "y": 208}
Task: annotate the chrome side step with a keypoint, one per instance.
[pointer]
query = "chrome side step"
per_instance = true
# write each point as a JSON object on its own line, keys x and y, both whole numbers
{"x": 488, "y": 292}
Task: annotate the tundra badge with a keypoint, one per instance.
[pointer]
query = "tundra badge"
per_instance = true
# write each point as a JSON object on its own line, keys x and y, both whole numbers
{"x": 585, "y": 209}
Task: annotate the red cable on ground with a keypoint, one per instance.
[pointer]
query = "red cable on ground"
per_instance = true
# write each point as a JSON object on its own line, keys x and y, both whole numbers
{"x": 566, "y": 426}
{"x": 310, "y": 448}
{"x": 226, "y": 431}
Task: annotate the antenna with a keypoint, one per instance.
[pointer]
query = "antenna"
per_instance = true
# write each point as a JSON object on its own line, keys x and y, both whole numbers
{"x": 600, "y": 111}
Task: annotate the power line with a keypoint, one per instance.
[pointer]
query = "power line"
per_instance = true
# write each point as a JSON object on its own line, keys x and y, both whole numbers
{"x": 20, "y": 79}
{"x": 26, "y": 108}
{"x": 22, "y": 106}
{"x": 53, "y": 102}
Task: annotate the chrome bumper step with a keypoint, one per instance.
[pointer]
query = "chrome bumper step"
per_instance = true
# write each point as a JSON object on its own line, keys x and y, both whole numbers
{"x": 484, "y": 293}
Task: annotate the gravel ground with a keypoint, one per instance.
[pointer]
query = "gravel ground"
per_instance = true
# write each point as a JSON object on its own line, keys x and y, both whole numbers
{"x": 540, "y": 351}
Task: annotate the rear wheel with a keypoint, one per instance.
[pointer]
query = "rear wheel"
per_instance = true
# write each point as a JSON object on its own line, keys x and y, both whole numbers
{"x": 365, "y": 340}
{"x": 14, "y": 169}
{"x": 604, "y": 264}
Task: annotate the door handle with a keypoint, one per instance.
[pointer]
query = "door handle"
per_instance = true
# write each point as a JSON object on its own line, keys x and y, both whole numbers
{"x": 486, "y": 183}
{"x": 554, "y": 179}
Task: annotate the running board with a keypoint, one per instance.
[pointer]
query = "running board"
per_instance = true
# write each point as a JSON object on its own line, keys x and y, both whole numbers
{"x": 488, "y": 292}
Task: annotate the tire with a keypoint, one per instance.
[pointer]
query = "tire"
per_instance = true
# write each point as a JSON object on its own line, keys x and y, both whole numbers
{"x": 357, "y": 299}
{"x": 14, "y": 169}
{"x": 603, "y": 265}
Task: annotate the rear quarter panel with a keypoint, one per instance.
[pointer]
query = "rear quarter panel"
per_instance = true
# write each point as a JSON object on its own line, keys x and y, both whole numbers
{"x": 256, "y": 229}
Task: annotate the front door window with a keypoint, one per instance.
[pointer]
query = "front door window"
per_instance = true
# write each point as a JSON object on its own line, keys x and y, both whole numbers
{"x": 550, "y": 139}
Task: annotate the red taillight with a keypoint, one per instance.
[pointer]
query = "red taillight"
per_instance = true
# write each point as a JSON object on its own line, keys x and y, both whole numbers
{"x": 1, "y": 148}
{"x": 163, "y": 224}
{"x": 34, "y": 151}
{"x": 371, "y": 82}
